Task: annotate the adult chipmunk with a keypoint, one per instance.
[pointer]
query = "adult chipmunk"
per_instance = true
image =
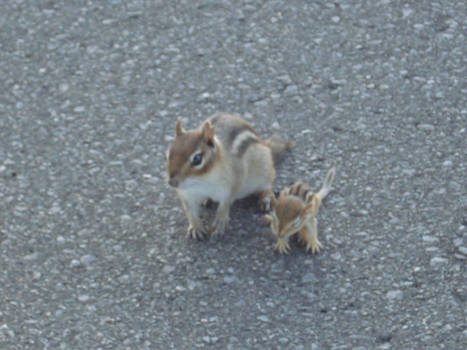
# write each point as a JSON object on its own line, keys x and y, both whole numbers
{"x": 295, "y": 211}
{"x": 223, "y": 160}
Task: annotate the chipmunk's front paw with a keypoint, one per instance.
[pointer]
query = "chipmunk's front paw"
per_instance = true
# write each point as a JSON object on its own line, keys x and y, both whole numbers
{"x": 265, "y": 201}
{"x": 282, "y": 246}
{"x": 195, "y": 232}
{"x": 219, "y": 226}
{"x": 314, "y": 246}
{"x": 265, "y": 204}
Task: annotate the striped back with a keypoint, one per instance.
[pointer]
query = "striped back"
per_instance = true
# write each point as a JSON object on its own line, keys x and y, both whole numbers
{"x": 304, "y": 192}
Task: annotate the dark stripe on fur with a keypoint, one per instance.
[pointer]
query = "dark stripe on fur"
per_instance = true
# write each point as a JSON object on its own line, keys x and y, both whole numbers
{"x": 237, "y": 131}
{"x": 242, "y": 148}
{"x": 300, "y": 190}
{"x": 305, "y": 193}
{"x": 310, "y": 199}
{"x": 296, "y": 189}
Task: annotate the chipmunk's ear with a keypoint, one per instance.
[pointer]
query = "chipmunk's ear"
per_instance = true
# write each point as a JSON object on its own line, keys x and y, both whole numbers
{"x": 208, "y": 132}
{"x": 178, "y": 128}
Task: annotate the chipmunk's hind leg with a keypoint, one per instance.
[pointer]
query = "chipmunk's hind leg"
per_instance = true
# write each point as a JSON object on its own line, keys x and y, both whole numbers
{"x": 311, "y": 238}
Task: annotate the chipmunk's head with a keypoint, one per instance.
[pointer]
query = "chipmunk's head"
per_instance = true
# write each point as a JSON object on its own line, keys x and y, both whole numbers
{"x": 191, "y": 155}
{"x": 290, "y": 214}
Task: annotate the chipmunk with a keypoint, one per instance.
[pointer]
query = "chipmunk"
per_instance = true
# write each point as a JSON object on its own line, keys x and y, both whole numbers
{"x": 223, "y": 160}
{"x": 295, "y": 211}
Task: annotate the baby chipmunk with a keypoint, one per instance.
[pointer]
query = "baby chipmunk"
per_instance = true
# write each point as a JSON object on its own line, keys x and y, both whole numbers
{"x": 223, "y": 160}
{"x": 295, "y": 211}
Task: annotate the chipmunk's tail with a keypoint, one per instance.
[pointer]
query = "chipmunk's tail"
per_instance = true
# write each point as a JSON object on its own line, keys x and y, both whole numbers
{"x": 278, "y": 146}
{"x": 327, "y": 185}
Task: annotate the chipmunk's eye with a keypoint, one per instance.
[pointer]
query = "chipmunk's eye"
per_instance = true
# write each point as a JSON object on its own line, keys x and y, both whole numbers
{"x": 197, "y": 159}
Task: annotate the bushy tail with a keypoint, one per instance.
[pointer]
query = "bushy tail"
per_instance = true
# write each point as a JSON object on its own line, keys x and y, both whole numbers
{"x": 278, "y": 146}
{"x": 328, "y": 180}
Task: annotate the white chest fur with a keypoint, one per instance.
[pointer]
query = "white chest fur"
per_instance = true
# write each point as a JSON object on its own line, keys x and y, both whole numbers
{"x": 212, "y": 186}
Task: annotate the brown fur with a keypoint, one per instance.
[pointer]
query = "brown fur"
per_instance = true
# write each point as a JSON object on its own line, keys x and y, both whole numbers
{"x": 185, "y": 144}
{"x": 295, "y": 202}
{"x": 182, "y": 148}
{"x": 236, "y": 163}
{"x": 287, "y": 209}
{"x": 178, "y": 127}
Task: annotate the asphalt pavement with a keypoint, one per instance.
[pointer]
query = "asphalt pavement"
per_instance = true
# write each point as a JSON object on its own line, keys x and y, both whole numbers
{"x": 93, "y": 252}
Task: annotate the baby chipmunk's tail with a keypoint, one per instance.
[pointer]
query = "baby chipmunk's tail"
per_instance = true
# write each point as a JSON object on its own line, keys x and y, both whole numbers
{"x": 328, "y": 180}
{"x": 278, "y": 146}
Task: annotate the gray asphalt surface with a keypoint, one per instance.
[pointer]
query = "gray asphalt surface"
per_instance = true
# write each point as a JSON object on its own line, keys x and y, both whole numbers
{"x": 93, "y": 253}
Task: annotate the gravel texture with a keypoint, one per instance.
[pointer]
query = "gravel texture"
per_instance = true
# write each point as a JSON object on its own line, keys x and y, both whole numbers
{"x": 93, "y": 253}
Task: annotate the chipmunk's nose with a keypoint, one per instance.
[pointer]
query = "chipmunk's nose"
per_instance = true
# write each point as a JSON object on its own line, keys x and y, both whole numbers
{"x": 173, "y": 181}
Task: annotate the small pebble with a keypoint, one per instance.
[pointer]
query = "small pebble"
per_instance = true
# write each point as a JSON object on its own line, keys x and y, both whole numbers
{"x": 191, "y": 284}
{"x": 75, "y": 263}
{"x": 207, "y": 339}
{"x": 394, "y": 294}
{"x": 32, "y": 256}
{"x": 79, "y": 109}
{"x": 167, "y": 269}
{"x": 361, "y": 234}
{"x": 309, "y": 277}
{"x": 125, "y": 218}
{"x": 124, "y": 279}
{"x": 263, "y": 318}
{"x": 229, "y": 279}
{"x": 87, "y": 259}
{"x": 83, "y": 298}
{"x": 430, "y": 239}
{"x": 437, "y": 261}
{"x": 446, "y": 328}
{"x": 426, "y": 127}
{"x": 336, "y": 256}
{"x": 64, "y": 87}
{"x": 291, "y": 90}
{"x": 335, "y": 19}
{"x": 406, "y": 12}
